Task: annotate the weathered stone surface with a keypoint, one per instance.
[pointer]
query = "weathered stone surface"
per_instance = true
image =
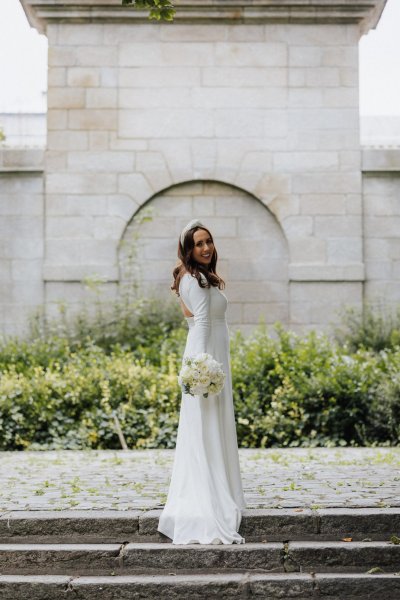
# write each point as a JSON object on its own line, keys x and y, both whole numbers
{"x": 59, "y": 559}
{"x": 72, "y": 524}
{"x": 33, "y": 587}
{"x": 336, "y": 556}
{"x": 203, "y": 557}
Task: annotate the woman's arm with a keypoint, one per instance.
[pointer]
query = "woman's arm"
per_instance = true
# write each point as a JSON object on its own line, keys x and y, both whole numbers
{"x": 200, "y": 304}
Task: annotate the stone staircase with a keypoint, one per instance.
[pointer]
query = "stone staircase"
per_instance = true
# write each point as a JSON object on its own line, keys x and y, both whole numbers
{"x": 289, "y": 553}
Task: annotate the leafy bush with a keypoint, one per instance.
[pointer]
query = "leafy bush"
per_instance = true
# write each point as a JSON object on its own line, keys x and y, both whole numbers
{"x": 305, "y": 391}
{"x": 373, "y": 327}
{"x": 64, "y": 391}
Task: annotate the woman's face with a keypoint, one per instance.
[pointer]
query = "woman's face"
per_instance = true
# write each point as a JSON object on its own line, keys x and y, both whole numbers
{"x": 203, "y": 247}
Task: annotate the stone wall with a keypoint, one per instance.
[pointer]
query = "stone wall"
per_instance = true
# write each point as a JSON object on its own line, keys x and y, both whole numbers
{"x": 21, "y": 237}
{"x": 247, "y": 119}
{"x": 381, "y": 191}
{"x": 272, "y": 110}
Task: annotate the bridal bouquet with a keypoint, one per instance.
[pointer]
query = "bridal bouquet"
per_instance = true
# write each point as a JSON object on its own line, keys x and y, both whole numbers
{"x": 201, "y": 375}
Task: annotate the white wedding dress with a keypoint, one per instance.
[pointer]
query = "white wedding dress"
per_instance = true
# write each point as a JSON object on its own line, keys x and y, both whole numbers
{"x": 205, "y": 496}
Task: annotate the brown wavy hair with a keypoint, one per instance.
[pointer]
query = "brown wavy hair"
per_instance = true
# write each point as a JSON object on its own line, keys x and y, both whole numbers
{"x": 189, "y": 265}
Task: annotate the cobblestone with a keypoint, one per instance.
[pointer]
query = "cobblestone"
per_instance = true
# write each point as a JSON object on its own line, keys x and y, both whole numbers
{"x": 138, "y": 479}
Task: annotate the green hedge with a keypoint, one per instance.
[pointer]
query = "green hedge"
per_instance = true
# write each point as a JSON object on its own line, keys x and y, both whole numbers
{"x": 288, "y": 391}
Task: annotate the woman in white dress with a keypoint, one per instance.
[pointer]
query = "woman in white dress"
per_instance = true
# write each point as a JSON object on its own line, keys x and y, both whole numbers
{"x": 205, "y": 498}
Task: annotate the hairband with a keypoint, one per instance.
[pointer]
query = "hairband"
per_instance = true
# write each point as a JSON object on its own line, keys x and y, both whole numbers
{"x": 191, "y": 225}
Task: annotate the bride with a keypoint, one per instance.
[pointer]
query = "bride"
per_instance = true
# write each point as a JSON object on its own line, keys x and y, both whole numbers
{"x": 205, "y": 498}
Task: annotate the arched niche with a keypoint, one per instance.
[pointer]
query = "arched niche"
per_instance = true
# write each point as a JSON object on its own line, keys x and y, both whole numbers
{"x": 252, "y": 248}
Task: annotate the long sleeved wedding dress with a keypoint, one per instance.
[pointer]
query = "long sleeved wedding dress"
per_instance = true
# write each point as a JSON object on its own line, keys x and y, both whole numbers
{"x": 205, "y": 497}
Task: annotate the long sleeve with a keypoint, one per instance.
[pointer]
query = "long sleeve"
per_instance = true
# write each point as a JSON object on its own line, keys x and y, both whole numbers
{"x": 199, "y": 299}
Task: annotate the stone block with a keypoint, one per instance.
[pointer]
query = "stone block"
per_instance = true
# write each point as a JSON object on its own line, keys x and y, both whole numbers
{"x": 5, "y": 273}
{"x": 147, "y": 31}
{"x": 57, "y": 76}
{"x": 349, "y": 76}
{"x": 101, "y": 98}
{"x": 61, "y": 205}
{"x": 83, "y": 77}
{"x": 57, "y": 120}
{"x": 67, "y": 140}
{"x": 136, "y": 186}
{"x": 305, "y": 97}
{"x": 305, "y": 56}
{"x": 246, "y": 33}
{"x": 377, "y": 249}
{"x": 21, "y": 227}
{"x": 17, "y": 184}
{"x": 239, "y": 123}
{"x": 204, "y": 207}
{"x": 323, "y": 204}
{"x": 305, "y": 161}
{"x": 76, "y": 252}
{"x": 80, "y": 35}
{"x": 347, "y": 97}
{"x": 96, "y": 56}
{"x": 165, "y": 123}
{"x": 350, "y": 160}
{"x": 75, "y": 183}
{"x": 323, "y": 118}
{"x": 62, "y": 56}
{"x": 138, "y": 54}
{"x": 235, "y": 313}
{"x": 113, "y": 162}
{"x": 307, "y": 249}
{"x": 108, "y": 228}
{"x": 193, "y": 33}
{"x": 337, "y": 226}
{"x": 103, "y": 119}
{"x": 331, "y": 183}
{"x": 378, "y": 269}
{"x": 109, "y": 77}
{"x": 317, "y": 293}
{"x": 384, "y": 227}
{"x": 155, "y": 98}
{"x": 69, "y": 227}
{"x": 342, "y": 250}
{"x": 122, "y": 206}
{"x": 21, "y": 204}
{"x": 235, "y": 97}
{"x": 340, "y": 56}
{"x": 159, "y": 77}
{"x": 270, "y": 312}
{"x": 251, "y": 54}
{"x": 99, "y": 140}
{"x": 354, "y": 204}
{"x": 276, "y": 77}
{"x": 323, "y": 77}
{"x": 298, "y": 226}
{"x": 26, "y": 270}
{"x": 25, "y": 248}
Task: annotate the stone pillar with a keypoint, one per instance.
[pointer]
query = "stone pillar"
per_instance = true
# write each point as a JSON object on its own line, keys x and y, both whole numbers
{"x": 263, "y": 97}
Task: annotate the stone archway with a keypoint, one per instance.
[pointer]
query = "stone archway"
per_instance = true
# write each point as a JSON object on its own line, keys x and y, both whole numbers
{"x": 252, "y": 249}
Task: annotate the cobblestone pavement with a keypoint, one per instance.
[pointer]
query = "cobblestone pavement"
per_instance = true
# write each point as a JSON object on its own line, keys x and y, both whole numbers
{"x": 138, "y": 479}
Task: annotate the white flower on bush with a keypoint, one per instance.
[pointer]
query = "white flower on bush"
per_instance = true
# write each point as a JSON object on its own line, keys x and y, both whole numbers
{"x": 201, "y": 375}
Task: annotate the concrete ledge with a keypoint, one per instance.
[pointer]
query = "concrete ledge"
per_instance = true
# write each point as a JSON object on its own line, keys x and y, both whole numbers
{"x": 21, "y": 160}
{"x": 380, "y": 160}
{"x": 366, "y": 14}
{"x": 257, "y": 525}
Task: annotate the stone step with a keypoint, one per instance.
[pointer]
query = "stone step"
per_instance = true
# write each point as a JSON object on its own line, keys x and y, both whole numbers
{"x": 257, "y": 525}
{"x": 97, "y": 559}
{"x": 302, "y": 586}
